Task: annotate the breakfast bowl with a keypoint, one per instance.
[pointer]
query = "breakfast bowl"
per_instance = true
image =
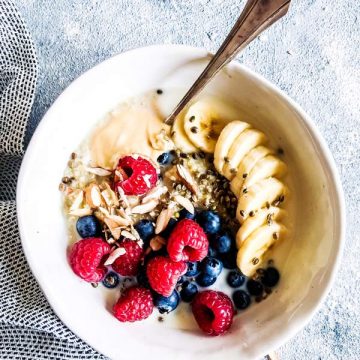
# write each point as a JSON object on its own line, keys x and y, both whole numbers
{"x": 308, "y": 262}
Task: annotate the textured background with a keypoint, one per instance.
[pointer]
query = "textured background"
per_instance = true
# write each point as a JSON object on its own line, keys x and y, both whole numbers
{"x": 313, "y": 55}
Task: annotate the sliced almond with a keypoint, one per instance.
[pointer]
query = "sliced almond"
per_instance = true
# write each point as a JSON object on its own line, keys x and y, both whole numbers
{"x": 187, "y": 179}
{"x": 119, "y": 220}
{"x": 145, "y": 208}
{"x": 104, "y": 211}
{"x": 114, "y": 255}
{"x": 155, "y": 193}
{"x": 124, "y": 214}
{"x": 135, "y": 233}
{"x": 109, "y": 195}
{"x": 98, "y": 171}
{"x": 163, "y": 219}
{"x": 123, "y": 197}
{"x": 77, "y": 198}
{"x": 111, "y": 241}
{"x": 114, "y": 228}
{"x": 128, "y": 235}
{"x": 81, "y": 212}
{"x": 186, "y": 203}
{"x": 157, "y": 242}
{"x": 133, "y": 200}
{"x": 93, "y": 195}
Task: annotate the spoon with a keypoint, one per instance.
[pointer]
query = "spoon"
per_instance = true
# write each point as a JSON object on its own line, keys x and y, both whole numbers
{"x": 257, "y": 16}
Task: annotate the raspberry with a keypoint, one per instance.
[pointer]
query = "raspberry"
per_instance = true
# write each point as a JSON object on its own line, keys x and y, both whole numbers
{"x": 213, "y": 311}
{"x": 128, "y": 264}
{"x": 86, "y": 258}
{"x": 133, "y": 305}
{"x": 187, "y": 242}
{"x": 163, "y": 274}
{"x": 141, "y": 175}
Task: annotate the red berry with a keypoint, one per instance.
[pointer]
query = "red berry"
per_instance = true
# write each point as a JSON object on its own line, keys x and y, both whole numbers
{"x": 86, "y": 258}
{"x": 163, "y": 274}
{"x": 133, "y": 305}
{"x": 187, "y": 242}
{"x": 213, "y": 311}
{"x": 128, "y": 264}
{"x": 141, "y": 175}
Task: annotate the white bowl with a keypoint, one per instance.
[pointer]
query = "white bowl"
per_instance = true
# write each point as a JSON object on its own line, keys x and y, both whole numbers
{"x": 312, "y": 261}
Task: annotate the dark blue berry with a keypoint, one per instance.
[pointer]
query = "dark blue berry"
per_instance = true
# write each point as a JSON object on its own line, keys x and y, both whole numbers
{"x": 205, "y": 280}
{"x": 211, "y": 266}
{"x": 235, "y": 278}
{"x": 166, "y": 304}
{"x": 111, "y": 280}
{"x": 211, "y": 252}
{"x": 209, "y": 221}
{"x": 184, "y": 214}
{"x": 271, "y": 277}
{"x": 164, "y": 158}
{"x": 241, "y": 299}
{"x": 193, "y": 269}
{"x": 229, "y": 259}
{"x": 222, "y": 243}
{"x": 188, "y": 291}
{"x": 166, "y": 233}
{"x": 146, "y": 230}
{"x": 254, "y": 287}
{"x": 88, "y": 226}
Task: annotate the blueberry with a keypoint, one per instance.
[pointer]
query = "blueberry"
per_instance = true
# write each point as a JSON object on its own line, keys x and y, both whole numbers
{"x": 88, "y": 226}
{"x": 111, "y": 280}
{"x": 146, "y": 229}
{"x": 209, "y": 221}
{"x": 167, "y": 304}
{"x": 166, "y": 233}
{"x": 164, "y": 158}
{"x": 241, "y": 299}
{"x": 211, "y": 266}
{"x": 235, "y": 278}
{"x": 184, "y": 214}
{"x": 188, "y": 291}
{"x": 205, "y": 280}
{"x": 270, "y": 277}
{"x": 229, "y": 259}
{"x": 222, "y": 243}
{"x": 142, "y": 277}
{"x": 211, "y": 252}
{"x": 254, "y": 287}
{"x": 193, "y": 269}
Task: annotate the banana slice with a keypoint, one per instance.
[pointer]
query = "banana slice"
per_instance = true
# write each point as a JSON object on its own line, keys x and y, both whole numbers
{"x": 225, "y": 141}
{"x": 259, "y": 195}
{"x": 179, "y": 136}
{"x": 203, "y": 126}
{"x": 262, "y": 217}
{"x": 254, "y": 248}
{"x": 246, "y": 141}
{"x": 266, "y": 167}
{"x": 246, "y": 166}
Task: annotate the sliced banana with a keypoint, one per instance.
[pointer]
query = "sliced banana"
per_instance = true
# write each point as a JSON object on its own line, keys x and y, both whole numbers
{"x": 203, "y": 126}
{"x": 180, "y": 137}
{"x": 263, "y": 216}
{"x": 259, "y": 195}
{"x": 227, "y": 137}
{"x": 269, "y": 166}
{"x": 253, "y": 250}
{"x": 246, "y": 141}
{"x": 246, "y": 166}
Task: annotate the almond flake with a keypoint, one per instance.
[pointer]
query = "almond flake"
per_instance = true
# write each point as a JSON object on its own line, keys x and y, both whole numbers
{"x": 163, "y": 219}
{"x": 155, "y": 193}
{"x": 124, "y": 214}
{"x": 187, "y": 179}
{"x": 133, "y": 200}
{"x": 111, "y": 241}
{"x": 81, "y": 212}
{"x": 128, "y": 235}
{"x": 109, "y": 196}
{"x": 78, "y": 196}
{"x": 145, "y": 208}
{"x": 119, "y": 220}
{"x": 135, "y": 233}
{"x": 93, "y": 196}
{"x": 113, "y": 227}
{"x": 98, "y": 171}
{"x": 157, "y": 242}
{"x": 186, "y": 203}
{"x": 104, "y": 211}
{"x": 114, "y": 255}
{"x": 123, "y": 197}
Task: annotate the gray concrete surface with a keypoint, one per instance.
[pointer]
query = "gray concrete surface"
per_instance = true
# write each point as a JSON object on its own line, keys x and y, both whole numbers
{"x": 313, "y": 55}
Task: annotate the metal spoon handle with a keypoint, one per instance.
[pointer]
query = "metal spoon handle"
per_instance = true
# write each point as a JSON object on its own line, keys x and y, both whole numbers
{"x": 255, "y": 18}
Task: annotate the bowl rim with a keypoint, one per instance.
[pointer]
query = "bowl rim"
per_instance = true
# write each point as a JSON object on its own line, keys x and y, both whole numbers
{"x": 334, "y": 178}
